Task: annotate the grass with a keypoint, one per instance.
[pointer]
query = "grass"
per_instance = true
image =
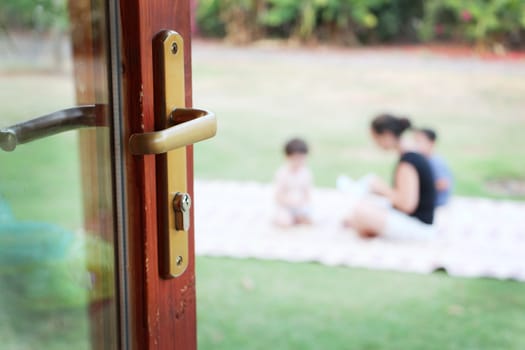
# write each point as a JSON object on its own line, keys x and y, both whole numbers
{"x": 23, "y": 328}
{"x": 41, "y": 183}
{"x": 50, "y": 190}
{"x": 250, "y": 304}
{"x": 263, "y": 96}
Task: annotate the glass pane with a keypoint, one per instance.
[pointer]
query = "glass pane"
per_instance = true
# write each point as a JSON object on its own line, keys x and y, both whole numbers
{"x": 57, "y": 282}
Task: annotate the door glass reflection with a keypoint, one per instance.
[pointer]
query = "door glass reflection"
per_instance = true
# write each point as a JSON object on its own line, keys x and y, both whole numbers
{"x": 57, "y": 275}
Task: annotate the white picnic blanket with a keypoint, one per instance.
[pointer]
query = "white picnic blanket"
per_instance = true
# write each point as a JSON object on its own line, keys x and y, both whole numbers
{"x": 476, "y": 237}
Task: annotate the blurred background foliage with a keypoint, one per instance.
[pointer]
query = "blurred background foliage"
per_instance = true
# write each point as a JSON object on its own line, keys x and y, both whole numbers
{"x": 40, "y": 15}
{"x": 485, "y": 23}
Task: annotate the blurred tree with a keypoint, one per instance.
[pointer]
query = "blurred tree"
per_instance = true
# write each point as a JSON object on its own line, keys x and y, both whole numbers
{"x": 40, "y": 17}
{"x": 34, "y": 14}
{"x": 209, "y": 20}
{"x": 348, "y": 22}
{"x": 486, "y": 23}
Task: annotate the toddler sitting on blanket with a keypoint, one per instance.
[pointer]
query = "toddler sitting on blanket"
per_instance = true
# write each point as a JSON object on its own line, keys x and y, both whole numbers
{"x": 293, "y": 185}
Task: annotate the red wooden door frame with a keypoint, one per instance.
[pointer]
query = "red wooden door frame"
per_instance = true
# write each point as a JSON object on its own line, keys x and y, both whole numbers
{"x": 162, "y": 312}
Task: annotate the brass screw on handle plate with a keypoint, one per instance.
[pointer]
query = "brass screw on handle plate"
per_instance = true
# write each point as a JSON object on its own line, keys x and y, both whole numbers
{"x": 174, "y": 48}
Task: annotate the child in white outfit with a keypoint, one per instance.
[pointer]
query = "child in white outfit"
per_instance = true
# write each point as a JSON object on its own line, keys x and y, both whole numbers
{"x": 293, "y": 186}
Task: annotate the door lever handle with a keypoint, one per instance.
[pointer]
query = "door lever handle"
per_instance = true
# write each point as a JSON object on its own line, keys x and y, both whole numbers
{"x": 175, "y": 128}
{"x": 52, "y": 124}
{"x": 187, "y": 126}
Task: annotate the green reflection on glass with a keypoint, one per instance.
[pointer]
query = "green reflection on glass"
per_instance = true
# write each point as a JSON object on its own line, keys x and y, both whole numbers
{"x": 56, "y": 273}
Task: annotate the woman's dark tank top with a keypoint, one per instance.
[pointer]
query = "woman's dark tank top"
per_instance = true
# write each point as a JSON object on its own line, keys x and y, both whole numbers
{"x": 427, "y": 189}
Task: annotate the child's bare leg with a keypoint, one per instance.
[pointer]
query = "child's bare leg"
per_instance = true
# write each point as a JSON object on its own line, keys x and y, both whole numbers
{"x": 303, "y": 220}
{"x": 367, "y": 218}
{"x": 283, "y": 218}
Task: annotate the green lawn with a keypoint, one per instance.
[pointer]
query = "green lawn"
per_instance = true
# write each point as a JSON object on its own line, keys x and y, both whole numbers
{"x": 41, "y": 181}
{"x": 249, "y": 304}
{"x": 262, "y": 97}
{"x": 41, "y": 184}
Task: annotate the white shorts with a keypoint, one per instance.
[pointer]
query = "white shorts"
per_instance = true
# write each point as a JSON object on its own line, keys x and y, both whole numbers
{"x": 288, "y": 216}
{"x": 302, "y": 212}
{"x": 402, "y": 226}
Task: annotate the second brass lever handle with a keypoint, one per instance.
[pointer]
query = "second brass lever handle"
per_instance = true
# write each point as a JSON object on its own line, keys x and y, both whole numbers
{"x": 189, "y": 125}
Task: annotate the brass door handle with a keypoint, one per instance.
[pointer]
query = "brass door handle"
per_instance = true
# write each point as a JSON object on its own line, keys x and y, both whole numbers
{"x": 51, "y": 124}
{"x": 175, "y": 128}
{"x": 188, "y": 125}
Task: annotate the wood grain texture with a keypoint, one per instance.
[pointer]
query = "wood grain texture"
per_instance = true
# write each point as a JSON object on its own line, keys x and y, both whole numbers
{"x": 163, "y": 311}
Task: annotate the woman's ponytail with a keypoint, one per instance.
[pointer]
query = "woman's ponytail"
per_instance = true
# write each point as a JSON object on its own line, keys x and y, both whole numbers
{"x": 404, "y": 124}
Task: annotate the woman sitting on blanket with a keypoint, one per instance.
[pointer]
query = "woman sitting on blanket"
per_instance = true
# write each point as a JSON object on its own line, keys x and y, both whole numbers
{"x": 412, "y": 196}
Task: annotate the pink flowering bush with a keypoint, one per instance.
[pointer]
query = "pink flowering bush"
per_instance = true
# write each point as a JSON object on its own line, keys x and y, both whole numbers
{"x": 466, "y": 16}
{"x": 483, "y": 22}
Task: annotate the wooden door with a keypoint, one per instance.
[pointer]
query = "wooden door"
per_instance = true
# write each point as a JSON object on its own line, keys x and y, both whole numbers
{"x": 163, "y": 312}
{"x": 60, "y": 240}
{"x": 77, "y": 202}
